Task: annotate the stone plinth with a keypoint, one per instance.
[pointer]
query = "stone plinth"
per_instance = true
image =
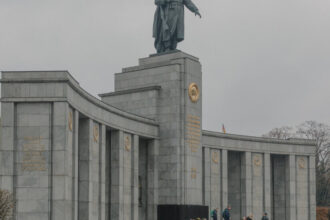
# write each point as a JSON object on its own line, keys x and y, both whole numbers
{"x": 169, "y": 88}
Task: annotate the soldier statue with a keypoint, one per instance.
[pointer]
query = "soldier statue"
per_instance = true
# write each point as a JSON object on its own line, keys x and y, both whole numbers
{"x": 168, "y": 28}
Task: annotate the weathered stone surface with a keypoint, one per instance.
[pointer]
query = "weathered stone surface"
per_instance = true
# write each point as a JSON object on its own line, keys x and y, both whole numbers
{"x": 67, "y": 155}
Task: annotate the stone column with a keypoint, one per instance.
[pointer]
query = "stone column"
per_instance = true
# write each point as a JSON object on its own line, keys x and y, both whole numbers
{"x": 291, "y": 188}
{"x": 33, "y": 170}
{"x": 215, "y": 180}
{"x": 7, "y": 149}
{"x": 224, "y": 178}
{"x": 127, "y": 176}
{"x": 103, "y": 172}
{"x": 267, "y": 184}
{"x": 302, "y": 189}
{"x": 135, "y": 178}
{"x": 153, "y": 152}
{"x": 206, "y": 177}
{"x": 117, "y": 168}
{"x": 95, "y": 169}
{"x": 258, "y": 183}
{"x": 85, "y": 193}
{"x": 312, "y": 188}
{"x": 247, "y": 189}
{"x": 7, "y": 171}
{"x": 75, "y": 164}
{"x": 63, "y": 159}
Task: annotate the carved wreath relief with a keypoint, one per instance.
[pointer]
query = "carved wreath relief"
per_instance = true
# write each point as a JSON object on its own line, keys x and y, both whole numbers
{"x": 70, "y": 122}
{"x": 96, "y": 133}
{"x": 257, "y": 161}
{"x": 127, "y": 143}
{"x": 193, "y": 92}
{"x": 302, "y": 163}
{"x": 215, "y": 157}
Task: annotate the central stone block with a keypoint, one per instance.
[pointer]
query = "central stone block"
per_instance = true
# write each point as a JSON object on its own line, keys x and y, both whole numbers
{"x": 168, "y": 88}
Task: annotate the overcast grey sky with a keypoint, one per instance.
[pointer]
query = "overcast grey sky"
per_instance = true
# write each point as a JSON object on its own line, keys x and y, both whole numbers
{"x": 266, "y": 63}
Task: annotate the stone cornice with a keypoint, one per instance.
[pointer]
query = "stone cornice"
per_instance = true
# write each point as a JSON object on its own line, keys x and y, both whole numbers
{"x": 301, "y": 142}
{"x": 67, "y": 78}
{"x": 129, "y": 91}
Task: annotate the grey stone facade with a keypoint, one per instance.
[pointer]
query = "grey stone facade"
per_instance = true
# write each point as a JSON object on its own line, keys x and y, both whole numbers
{"x": 66, "y": 155}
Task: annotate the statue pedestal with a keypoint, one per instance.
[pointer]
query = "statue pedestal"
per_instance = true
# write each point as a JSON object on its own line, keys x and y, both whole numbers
{"x": 168, "y": 88}
{"x": 179, "y": 212}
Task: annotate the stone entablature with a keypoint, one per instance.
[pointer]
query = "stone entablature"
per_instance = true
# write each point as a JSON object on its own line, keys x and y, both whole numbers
{"x": 60, "y": 86}
{"x": 258, "y": 144}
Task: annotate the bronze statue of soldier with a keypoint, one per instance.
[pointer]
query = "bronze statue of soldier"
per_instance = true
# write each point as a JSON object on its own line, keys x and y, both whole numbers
{"x": 168, "y": 28}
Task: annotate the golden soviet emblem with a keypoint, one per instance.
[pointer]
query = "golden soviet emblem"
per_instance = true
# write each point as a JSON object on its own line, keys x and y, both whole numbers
{"x": 257, "y": 161}
{"x": 193, "y": 92}
{"x": 127, "y": 143}
{"x": 70, "y": 121}
{"x": 96, "y": 133}
{"x": 215, "y": 157}
{"x": 302, "y": 163}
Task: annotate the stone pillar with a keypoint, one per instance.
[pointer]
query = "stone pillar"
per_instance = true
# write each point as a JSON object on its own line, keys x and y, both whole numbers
{"x": 153, "y": 151}
{"x": 44, "y": 164}
{"x": 179, "y": 113}
{"x": 85, "y": 193}
{"x": 103, "y": 173}
{"x": 117, "y": 180}
{"x": 215, "y": 186}
{"x": 7, "y": 171}
{"x": 95, "y": 169}
{"x": 135, "y": 178}
{"x": 247, "y": 183}
{"x": 75, "y": 167}
{"x": 7, "y": 150}
{"x": 127, "y": 176}
{"x": 291, "y": 188}
{"x": 63, "y": 161}
{"x": 302, "y": 189}
{"x": 257, "y": 176}
{"x": 32, "y": 167}
{"x": 224, "y": 178}
{"x": 267, "y": 184}
{"x": 108, "y": 173}
{"x": 312, "y": 188}
{"x": 206, "y": 177}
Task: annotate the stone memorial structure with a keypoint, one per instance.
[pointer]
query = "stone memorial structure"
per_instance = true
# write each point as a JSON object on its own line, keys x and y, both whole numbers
{"x": 140, "y": 150}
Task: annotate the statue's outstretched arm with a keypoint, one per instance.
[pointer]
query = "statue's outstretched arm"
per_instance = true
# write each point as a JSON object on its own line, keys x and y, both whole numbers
{"x": 192, "y": 7}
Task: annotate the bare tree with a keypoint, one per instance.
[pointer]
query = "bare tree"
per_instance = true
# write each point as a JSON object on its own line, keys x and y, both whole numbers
{"x": 321, "y": 134}
{"x": 284, "y": 132}
{"x": 6, "y": 205}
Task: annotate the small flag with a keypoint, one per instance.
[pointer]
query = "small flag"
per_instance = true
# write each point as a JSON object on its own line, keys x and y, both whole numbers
{"x": 223, "y": 129}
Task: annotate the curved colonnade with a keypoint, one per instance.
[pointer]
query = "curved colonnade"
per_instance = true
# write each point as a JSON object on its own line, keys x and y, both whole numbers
{"x": 72, "y": 132}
